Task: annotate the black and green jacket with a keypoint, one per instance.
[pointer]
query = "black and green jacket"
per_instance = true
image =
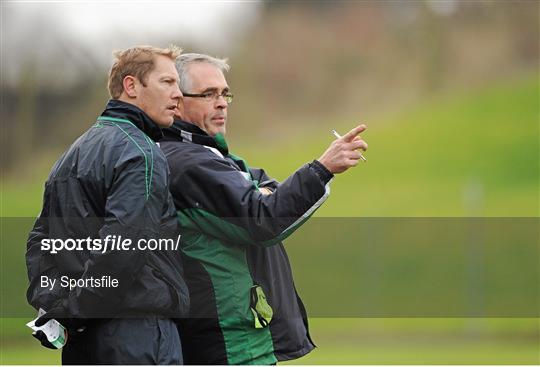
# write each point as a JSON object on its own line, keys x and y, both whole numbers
{"x": 244, "y": 306}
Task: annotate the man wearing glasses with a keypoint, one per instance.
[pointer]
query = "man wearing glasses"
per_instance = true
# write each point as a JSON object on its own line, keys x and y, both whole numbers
{"x": 244, "y": 306}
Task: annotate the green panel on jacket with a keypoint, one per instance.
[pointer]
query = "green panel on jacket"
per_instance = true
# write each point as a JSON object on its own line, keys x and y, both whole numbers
{"x": 227, "y": 266}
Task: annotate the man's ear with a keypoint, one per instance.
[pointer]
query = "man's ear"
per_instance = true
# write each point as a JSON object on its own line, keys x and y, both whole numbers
{"x": 130, "y": 84}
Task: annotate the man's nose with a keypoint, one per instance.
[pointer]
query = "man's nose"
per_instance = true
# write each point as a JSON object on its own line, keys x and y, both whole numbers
{"x": 220, "y": 102}
{"x": 177, "y": 94}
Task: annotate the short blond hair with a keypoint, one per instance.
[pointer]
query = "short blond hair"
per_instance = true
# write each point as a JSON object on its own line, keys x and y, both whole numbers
{"x": 136, "y": 61}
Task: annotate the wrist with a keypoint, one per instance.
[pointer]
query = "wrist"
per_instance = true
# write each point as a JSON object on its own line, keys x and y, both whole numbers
{"x": 322, "y": 171}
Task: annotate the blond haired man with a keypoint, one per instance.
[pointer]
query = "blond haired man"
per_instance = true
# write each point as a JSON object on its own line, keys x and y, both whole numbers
{"x": 110, "y": 186}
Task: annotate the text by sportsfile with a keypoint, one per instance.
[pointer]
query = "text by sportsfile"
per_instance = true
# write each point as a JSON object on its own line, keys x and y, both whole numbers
{"x": 109, "y": 243}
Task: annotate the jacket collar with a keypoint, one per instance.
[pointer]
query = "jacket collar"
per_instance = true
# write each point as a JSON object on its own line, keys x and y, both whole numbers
{"x": 185, "y": 131}
{"x": 123, "y": 110}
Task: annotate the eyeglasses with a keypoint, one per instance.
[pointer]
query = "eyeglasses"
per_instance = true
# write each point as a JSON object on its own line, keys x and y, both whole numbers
{"x": 211, "y": 96}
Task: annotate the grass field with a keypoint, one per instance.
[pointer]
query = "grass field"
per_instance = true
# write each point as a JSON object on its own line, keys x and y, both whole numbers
{"x": 378, "y": 341}
{"x": 467, "y": 154}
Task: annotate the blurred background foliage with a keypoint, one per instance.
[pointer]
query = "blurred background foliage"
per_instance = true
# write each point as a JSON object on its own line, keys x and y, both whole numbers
{"x": 449, "y": 90}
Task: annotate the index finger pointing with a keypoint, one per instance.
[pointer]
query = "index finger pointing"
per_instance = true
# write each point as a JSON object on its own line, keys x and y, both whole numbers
{"x": 354, "y": 132}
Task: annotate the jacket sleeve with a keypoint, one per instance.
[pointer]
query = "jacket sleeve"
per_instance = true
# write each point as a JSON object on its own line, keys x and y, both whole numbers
{"x": 262, "y": 179}
{"x": 40, "y": 263}
{"x": 215, "y": 198}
